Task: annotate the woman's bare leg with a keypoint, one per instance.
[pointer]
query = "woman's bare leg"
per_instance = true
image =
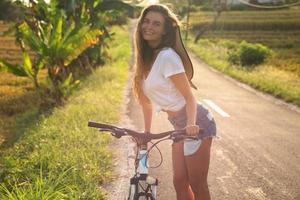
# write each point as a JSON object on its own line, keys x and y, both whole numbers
{"x": 180, "y": 175}
{"x": 197, "y": 169}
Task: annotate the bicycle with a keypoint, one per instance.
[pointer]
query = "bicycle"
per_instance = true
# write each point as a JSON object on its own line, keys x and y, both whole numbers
{"x": 142, "y": 185}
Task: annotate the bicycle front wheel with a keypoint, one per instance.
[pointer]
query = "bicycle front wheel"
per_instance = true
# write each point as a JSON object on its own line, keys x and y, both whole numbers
{"x": 132, "y": 192}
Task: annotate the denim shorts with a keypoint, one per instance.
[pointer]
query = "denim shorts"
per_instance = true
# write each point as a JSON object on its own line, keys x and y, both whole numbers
{"x": 204, "y": 120}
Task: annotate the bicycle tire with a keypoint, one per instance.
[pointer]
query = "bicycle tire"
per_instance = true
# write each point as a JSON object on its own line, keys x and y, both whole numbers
{"x": 131, "y": 193}
{"x": 145, "y": 198}
{"x": 134, "y": 193}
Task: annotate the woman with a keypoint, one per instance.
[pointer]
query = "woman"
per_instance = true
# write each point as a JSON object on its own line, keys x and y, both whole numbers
{"x": 163, "y": 79}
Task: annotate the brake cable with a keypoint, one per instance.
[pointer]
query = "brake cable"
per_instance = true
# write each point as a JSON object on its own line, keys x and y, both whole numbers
{"x": 160, "y": 154}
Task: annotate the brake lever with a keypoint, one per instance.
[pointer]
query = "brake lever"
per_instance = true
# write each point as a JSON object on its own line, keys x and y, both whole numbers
{"x": 193, "y": 137}
{"x": 177, "y": 136}
{"x": 118, "y": 133}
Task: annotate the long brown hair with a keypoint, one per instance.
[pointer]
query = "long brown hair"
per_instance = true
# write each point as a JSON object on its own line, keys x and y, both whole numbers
{"x": 143, "y": 52}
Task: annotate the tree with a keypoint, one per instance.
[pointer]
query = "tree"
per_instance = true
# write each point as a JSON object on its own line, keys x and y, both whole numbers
{"x": 219, "y": 6}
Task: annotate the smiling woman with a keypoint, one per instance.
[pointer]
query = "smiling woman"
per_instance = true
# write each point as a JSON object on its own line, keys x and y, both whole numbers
{"x": 163, "y": 73}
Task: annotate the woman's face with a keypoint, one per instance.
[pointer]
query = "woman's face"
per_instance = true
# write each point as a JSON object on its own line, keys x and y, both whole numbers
{"x": 153, "y": 28}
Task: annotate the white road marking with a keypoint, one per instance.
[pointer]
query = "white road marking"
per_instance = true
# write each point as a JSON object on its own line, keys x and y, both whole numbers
{"x": 216, "y": 108}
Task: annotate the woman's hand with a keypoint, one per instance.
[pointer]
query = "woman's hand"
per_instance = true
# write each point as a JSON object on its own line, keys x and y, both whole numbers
{"x": 192, "y": 130}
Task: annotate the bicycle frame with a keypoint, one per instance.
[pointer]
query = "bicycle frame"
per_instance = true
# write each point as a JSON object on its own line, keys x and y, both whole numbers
{"x": 141, "y": 184}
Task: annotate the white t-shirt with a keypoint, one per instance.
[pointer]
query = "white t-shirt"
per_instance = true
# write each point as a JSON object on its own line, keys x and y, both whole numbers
{"x": 158, "y": 87}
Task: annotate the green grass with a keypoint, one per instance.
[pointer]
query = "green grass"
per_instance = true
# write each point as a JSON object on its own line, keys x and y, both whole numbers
{"x": 58, "y": 156}
{"x": 277, "y": 29}
{"x": 267, "y": 77}
{"x": 284, "y": 41}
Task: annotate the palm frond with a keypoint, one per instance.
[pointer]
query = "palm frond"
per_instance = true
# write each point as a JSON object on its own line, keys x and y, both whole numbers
{"x": 27, "y": 66}
{"x": 56, "y": 32}
{"x": 80, "y": 43}
{"x": 29, "y": 37}
{"x": 11, "y": 68}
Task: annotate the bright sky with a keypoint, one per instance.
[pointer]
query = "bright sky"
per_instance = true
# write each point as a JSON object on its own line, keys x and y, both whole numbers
{"x": 153, "y": 1}
{"x": 148, "y": 2}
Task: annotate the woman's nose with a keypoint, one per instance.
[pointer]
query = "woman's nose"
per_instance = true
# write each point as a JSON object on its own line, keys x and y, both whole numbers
{"x": 149, "y": 26}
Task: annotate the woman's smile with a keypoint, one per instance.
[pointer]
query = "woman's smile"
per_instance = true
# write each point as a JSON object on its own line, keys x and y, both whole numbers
{"x": 148, "y": 33}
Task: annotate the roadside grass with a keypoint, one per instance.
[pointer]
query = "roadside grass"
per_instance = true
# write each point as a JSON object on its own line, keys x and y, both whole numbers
{"x": 17, "y": 96}
{"x": 267, "y": 77}
{"x": 58, "y": 156}
{"x": 277, "y": 29}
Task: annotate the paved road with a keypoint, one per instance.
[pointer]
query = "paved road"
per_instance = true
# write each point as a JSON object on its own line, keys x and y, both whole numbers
{"x": 258, "y": 155}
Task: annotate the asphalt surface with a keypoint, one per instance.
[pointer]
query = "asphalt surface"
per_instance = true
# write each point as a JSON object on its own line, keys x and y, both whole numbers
{"x": 258, "y": 154}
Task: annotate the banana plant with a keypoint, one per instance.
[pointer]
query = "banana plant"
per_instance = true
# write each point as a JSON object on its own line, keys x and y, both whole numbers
{"x": 58, "y": 33}
{"x": 56, "y": 45}
{"x": 99, "y": 14}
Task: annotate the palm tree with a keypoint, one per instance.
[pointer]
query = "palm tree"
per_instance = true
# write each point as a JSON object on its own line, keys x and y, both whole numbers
{"x": 55, "y": 45}
{"x": 59, "y": 33}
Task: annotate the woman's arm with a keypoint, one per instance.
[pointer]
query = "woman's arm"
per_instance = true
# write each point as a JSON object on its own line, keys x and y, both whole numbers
{"x": 182, "y": 84}
{"x": 147, "y": 112}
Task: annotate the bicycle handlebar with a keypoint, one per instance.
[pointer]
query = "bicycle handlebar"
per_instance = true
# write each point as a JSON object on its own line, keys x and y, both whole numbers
{"x": 119, "y": 132}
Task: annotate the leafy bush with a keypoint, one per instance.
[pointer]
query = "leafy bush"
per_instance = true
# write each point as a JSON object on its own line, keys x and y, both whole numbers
{"x": 234, "y": 57}
{"x": 247, "y": 54}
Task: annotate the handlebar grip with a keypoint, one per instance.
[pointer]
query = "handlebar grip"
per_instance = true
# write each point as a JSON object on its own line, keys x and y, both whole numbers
{"x": 99, "y": 125}
{"x": 115, "y": 131}
{"x": 93, "y": 124}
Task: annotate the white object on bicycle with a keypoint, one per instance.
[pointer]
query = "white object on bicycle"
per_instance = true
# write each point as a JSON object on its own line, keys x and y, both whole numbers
{"x": 143, "y": 163}
{"x": 190, "y": 146}
{"x": 150, "y": 180}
